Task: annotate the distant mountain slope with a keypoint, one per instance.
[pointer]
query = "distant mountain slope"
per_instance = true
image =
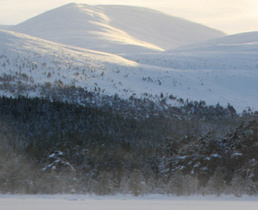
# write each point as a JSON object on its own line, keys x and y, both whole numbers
{"x": 28, "y": 64}
{"x": 158, "y": 28}
{"x": 243, "y": 42}
{"x": 5, "y": 27}
{"x": 237, "y": 52}
{"x": 115, "y": 29}
{"x": 231, "y": 62}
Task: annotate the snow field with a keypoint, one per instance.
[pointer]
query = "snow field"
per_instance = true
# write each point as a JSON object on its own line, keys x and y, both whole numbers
{"x": 126, "y": 203}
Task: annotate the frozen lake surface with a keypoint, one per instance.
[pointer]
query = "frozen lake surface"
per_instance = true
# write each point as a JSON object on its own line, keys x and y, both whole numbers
{"x": 80, "y": 202}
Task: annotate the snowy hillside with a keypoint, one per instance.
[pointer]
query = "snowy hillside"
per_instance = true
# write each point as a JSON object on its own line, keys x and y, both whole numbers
{"x": 34, "y": 62}
{"x": 227, "y": 53}
{"x": 115, "y": 29}
{"x": 229, "y": 63}
{"x": 243, "y": 42}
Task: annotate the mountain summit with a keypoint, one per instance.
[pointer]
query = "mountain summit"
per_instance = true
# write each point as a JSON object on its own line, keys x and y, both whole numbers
{"x": 115, "y": 29}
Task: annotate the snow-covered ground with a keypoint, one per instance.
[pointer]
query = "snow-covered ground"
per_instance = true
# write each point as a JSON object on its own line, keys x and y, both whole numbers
{"x": 80, "y": 202}
{"x": 213, "y": 77}
{"x": 228, "y": 66}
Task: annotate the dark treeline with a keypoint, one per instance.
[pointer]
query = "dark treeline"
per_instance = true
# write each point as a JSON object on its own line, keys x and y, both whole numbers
{"x": 56, "y": 147}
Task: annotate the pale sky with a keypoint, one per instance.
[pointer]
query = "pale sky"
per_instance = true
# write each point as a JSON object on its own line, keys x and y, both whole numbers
{"x": 229, "y": 16}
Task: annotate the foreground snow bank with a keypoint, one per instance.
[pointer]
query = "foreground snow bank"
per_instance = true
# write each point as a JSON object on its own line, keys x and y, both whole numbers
{"x": 78, "y": 202}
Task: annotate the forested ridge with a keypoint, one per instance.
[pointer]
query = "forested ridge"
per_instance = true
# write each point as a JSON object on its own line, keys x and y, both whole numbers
{"x": 50, "y": 146}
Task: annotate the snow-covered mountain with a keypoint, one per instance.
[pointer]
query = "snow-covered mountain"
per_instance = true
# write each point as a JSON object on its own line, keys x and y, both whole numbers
{"x": 5, "y": 27}
{"x": 230, "y": 52}
{"x": 115, "y": 29}
{"x": 231, "y": 63}
{"x": 243, "y": 42}
{"x": 35, "y": 62}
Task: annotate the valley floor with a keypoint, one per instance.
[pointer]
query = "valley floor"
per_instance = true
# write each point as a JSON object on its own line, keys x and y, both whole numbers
{"x": 78, "y": 202}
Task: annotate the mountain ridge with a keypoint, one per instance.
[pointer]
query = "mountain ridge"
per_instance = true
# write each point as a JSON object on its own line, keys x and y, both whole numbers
{"x": 115, "y": 29}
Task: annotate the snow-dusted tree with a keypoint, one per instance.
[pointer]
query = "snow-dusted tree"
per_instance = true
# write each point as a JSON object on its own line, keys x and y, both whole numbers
{"x": 137, "y": 183}
{"x": 60, "y": 172}
{"x": 175, "y": 184}
{"x": 216, "y": 184}
{"x": 16, "y": 175}
{"x": 105, "y": 184}
{"x": 237, "y": 185}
